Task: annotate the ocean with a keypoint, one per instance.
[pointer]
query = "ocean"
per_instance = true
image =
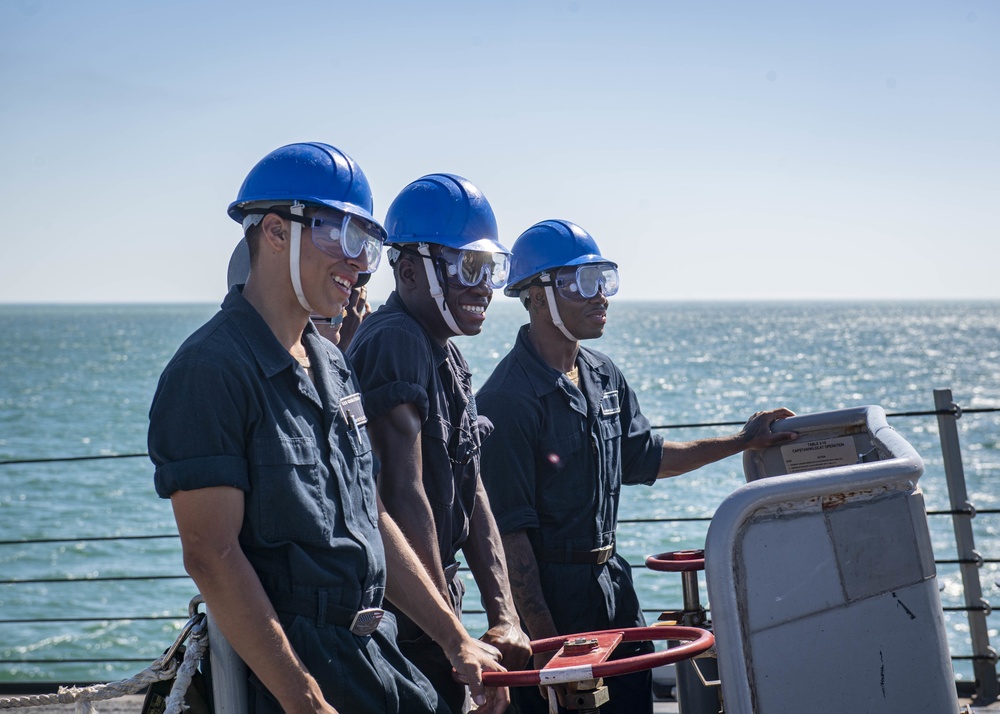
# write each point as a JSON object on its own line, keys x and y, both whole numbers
{"x": 76, "y": 381}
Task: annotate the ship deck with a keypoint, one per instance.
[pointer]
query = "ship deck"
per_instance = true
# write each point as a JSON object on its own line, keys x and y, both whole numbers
{"x": 133, "y": 705}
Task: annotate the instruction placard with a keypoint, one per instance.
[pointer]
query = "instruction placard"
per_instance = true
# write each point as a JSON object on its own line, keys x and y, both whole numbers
{"x": 819, "y": 454}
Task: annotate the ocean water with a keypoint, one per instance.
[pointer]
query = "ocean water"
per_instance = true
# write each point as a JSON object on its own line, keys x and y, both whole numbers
{"x": 77, "y": 381}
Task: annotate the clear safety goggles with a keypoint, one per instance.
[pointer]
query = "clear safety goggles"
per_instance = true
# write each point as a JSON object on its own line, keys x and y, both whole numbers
{"x": 468, "y": 268}
{"x": 334, "y": 321}
{"x": 342, "y": 236}
{"x": 582, "y": 282}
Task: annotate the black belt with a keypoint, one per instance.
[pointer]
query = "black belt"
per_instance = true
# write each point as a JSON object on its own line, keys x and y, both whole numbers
{"x": 597, "y": 556}
{"x": 361, "y": 622}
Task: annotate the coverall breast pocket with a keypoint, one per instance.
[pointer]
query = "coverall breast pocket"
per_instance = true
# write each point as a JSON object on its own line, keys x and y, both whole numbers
{"x": 363, "y": 468}
{"x": 288, "y": 493}
{"x": 360, "y": 443}
{"x": 570, "y": 484}
{"x": 611, "y": 435}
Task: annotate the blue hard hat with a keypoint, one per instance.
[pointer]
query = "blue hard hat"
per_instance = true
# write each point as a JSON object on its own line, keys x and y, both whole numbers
{"x": 309, "y": 172}
{"x": 443, "y": 209}
{"x": 547, "y": 245}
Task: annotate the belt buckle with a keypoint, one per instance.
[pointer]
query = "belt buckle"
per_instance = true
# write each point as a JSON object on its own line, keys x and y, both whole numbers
{"x": 366, "y": 621}
{"x": 603, "y": 554}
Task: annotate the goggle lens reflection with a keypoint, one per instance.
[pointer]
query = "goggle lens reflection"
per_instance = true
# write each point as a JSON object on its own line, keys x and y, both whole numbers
{"x": 470, "y": 267}
{"x": 583, "y": 282}
{"x": 348, "y": 238}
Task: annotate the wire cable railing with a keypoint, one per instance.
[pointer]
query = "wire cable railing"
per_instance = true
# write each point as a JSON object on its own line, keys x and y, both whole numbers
{"x": 692, "y": 425}
{"x": 968, "y": 511}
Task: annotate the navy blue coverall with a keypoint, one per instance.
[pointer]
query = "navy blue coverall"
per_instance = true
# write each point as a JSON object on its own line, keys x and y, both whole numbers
{"x": 233, "y": 408}
{"x": 554, "y": 468}
{"x": 397, "y": 362}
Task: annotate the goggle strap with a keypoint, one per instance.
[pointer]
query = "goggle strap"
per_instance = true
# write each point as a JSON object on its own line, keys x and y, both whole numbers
{"x": 434, "y": 285}
{"x": 554, "y": 312}
{"x": 432, "y": 279}
{"x": 289, "y": 215}
{"x": 295, "y": 245}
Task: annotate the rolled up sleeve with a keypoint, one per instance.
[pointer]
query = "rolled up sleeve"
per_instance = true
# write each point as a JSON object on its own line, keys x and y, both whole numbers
{"x": 196, "y": 429}
{"x": 392, "y": 367}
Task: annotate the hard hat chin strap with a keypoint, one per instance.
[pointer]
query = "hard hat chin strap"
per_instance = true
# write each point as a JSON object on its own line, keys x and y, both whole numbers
{"x": 554, "y": 311}
{"x": 295, "y": 249}
{"x": 436, "y": 291}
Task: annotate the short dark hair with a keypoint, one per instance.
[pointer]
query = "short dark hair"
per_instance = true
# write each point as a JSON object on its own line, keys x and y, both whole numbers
{"x": 253, "y": 241}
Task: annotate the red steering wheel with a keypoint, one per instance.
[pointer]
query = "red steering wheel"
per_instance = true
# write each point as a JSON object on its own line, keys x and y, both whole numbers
{"x": 582, "y": 657}
{"x": 679, "y": 561}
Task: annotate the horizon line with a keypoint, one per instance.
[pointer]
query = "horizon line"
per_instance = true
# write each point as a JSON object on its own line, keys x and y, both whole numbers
{"x": 511, "y": 301}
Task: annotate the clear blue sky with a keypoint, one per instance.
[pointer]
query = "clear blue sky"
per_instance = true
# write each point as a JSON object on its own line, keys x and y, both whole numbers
{"x": 716, "y": 150}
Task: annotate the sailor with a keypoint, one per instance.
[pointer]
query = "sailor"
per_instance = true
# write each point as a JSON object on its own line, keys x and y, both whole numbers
{"x": 447, "y": 261}
{"x": 259, "y": 440}
{"x": 568, "y": 433}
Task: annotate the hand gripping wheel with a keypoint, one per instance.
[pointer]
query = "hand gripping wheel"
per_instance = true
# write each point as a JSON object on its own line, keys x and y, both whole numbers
{"x": 584, "y": 657}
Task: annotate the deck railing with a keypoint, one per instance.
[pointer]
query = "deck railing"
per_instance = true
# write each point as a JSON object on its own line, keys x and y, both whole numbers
{"x": 983, "y": 656}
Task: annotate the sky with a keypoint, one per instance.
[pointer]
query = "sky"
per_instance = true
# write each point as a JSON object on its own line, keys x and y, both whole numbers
{"x": 715, "y": 150}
